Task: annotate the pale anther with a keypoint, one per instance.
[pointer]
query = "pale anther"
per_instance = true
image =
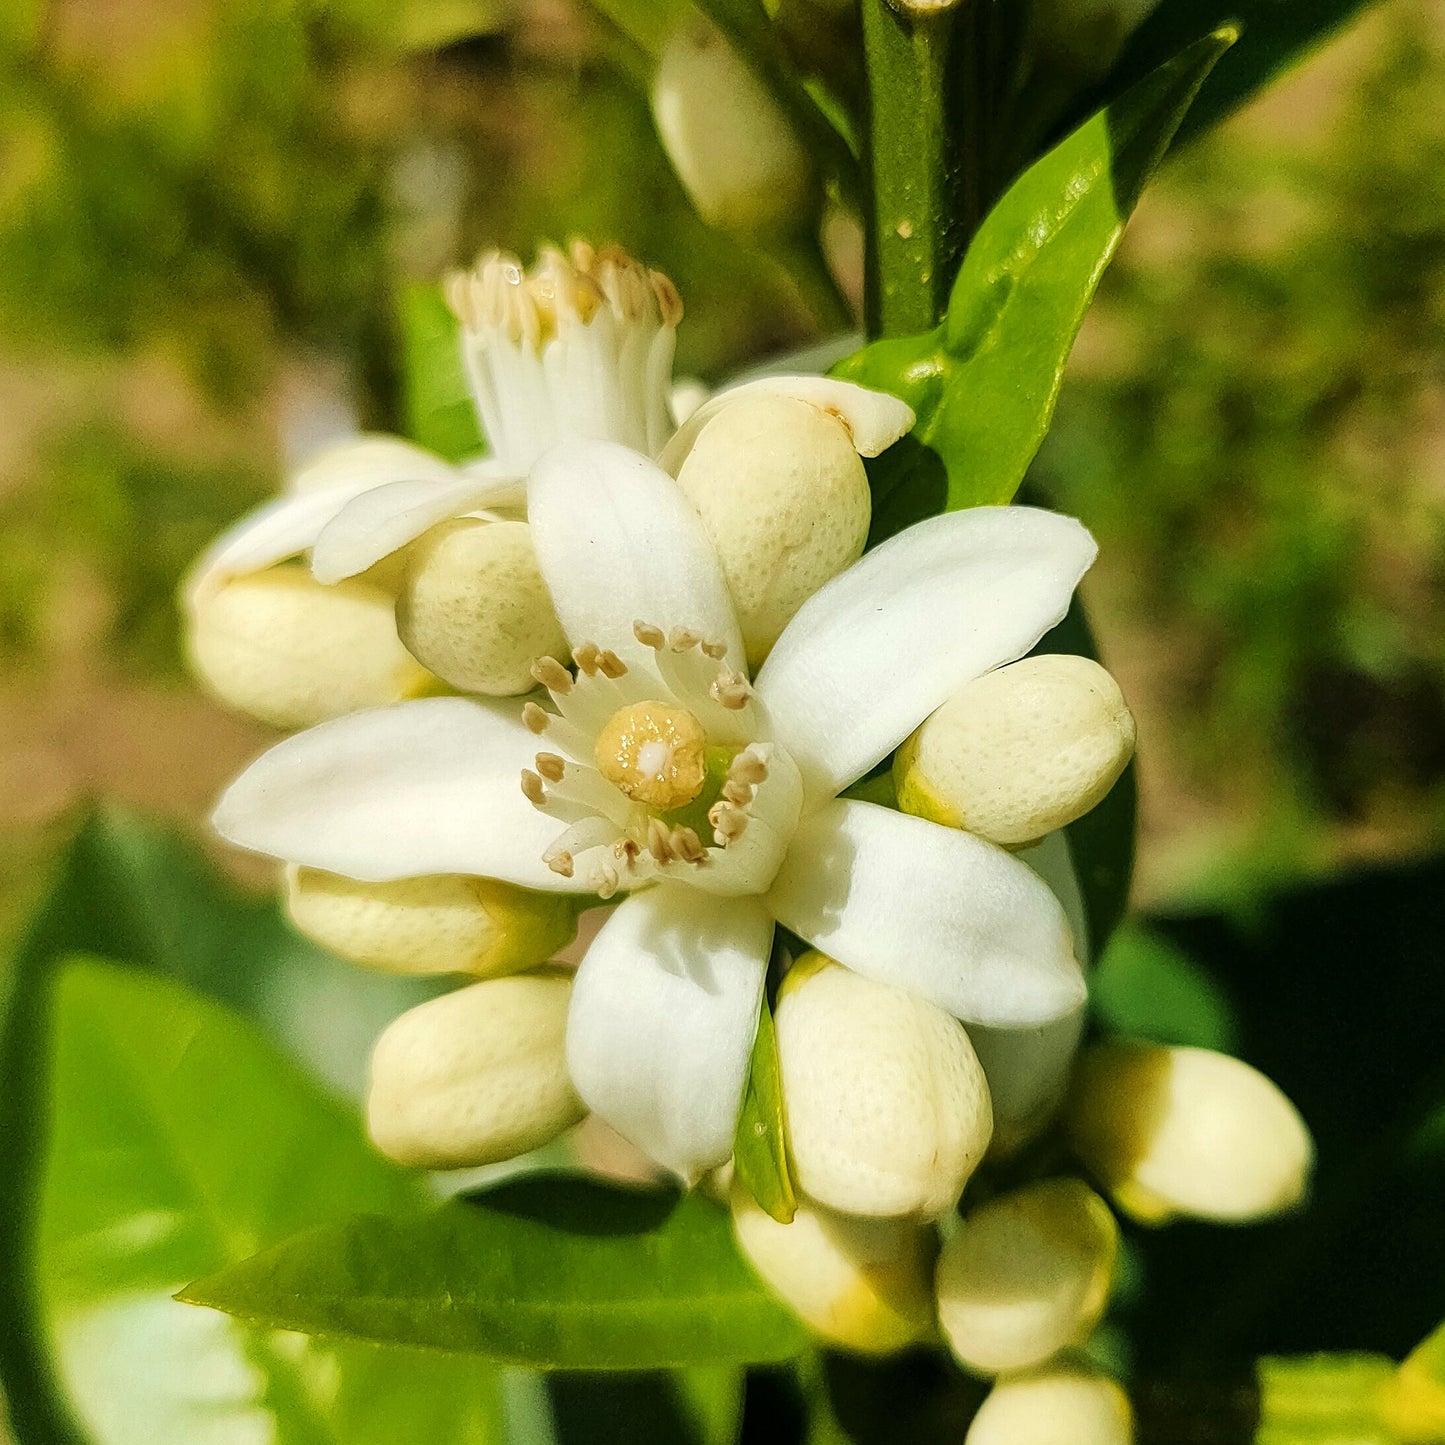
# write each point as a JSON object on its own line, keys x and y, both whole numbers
{"x": 748, "y": 768}
{"x": 715, "y": 650}
{"x": 626, "y": 851}
{"x": 535, "y": 718}
{"x": 687, "y": 845}
{"x": 532, "y": 788}
{"x": 610, "y": 665}
{"x": 649, "y": 636}
{"x": 731, "y": 690}
{"x": 586, "y": 657}
{"x": 736, "y": 792}
{"x": 552, "y": 675}
{"x": 551, "y": 767}
{"x": 605, "y": 880}
{"x": 680, "y": 639}
{"x": 561, "y": 863}
{"x": 658, "y": 840}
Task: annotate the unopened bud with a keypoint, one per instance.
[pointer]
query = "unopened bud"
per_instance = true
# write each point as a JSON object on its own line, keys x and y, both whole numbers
{"x": 1187, "y": 1131}
{"x": 444, "y": 923}
{"x": 1019, "y": 751}
{"x": 1063, "y": 1404}
{"x": 1026, "y": 1275}
{"x": 887, "y": 1106}
{"x": 784, "y": 498}
{"x": 475, "y": 1076}
{"x": 730, "y": 143}
{"x": 860, "y": 1283}
{"x": 292, "y": 652}
{"x": 474, "y": 608}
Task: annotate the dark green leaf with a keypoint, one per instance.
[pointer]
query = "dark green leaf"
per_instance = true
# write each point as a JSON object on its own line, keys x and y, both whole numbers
{"x": 984, "y": 383}
{"x": 760, "y": 1150}
{"x": 181, "y": 1142}
{"x": 551, "y": 1271}
{"x": 439, "y": 412}
{"x": 1273, "y": 36}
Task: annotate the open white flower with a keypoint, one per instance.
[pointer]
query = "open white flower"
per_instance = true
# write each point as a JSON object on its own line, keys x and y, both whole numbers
{"x": 578, "y": 347}
{"x": 712, "y": 800}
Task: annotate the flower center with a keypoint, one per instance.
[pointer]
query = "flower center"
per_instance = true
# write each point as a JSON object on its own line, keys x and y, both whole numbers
{"x": 654, "y": 753}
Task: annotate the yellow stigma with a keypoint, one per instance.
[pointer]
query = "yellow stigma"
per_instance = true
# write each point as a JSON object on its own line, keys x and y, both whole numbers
{"x": 655, "y": 753}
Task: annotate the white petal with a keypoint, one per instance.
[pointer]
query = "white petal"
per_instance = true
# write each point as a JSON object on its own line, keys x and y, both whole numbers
{"x": 663, "y": 1015}
{"x": 432, "y": 786}
{"x": 870, "y": 655}
{"x": 873, "y": 419}
{"x": 314, "y": 495}
{"x": 1028, "y": 1069}
{"x": 386, "y": 518}
{"x": 930, "y": 909}
{"x": 368, "y": 461}
{"x": 618, "y": 543}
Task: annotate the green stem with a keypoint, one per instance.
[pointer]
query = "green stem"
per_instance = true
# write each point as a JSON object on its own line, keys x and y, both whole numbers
{"x": 914, "y": 230}
{"x": 802, "y": 256}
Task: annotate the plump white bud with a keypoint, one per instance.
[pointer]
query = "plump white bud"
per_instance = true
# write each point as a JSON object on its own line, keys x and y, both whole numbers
{"x": 1026, "y": 1275}
{"x": 475, "y": 1076}
{"x": 730, "y": 143}
{"x": 887, "y": 1106}
{"x": 783, "y": 495}
{"x": 861, "y": 1283}
{"x": 474, "y": 608}
{"x": 1063, "y": 1404}
{"x": 1019, "y": 751}
{"x": 1084, "y": 37}
{"x": 444, "y": 923}
{"x": 1187, "y": 1131}
{"x": 287, "y": 650}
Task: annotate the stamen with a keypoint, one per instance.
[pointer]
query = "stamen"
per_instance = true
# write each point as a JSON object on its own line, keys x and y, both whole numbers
{"x": 687, "y": 845}
{"x": 552, "y": 675}
{"x": 659, "y": 842}
{"x": 604, "y": 880}
{"x": 610, "y": 665}
{"x": 715, "y": 650}
{"x": 748, "y": 768}
{"x": 587, "y": 657}
{"x": 728, "y": 822}
{"x": 626, "y": 851}
{"x": 733, "y": 791}
{"x": 534, "y": 718}
{"x": 532, "y": 789}
{"x": 681, "y": 639}
{"x": 649, "y": 636}
{"x": 560, "y": 863}
{"x": 551, "y": 767}
{"x": 732, "y": 690}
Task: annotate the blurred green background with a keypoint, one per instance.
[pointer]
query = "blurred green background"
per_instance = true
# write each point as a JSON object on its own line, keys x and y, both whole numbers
{"x": 211, "y": 215}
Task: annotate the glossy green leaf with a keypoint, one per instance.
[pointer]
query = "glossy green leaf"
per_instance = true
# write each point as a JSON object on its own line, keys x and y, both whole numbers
{"x": 1273, "y": 36}
{"x": 436, "y": 402}
{"x": 180, "y": 1141}
{"x": 1146, "y": 988}
{"x": 548, "y": 1270}
{"x": 760, "y": 1149}
{"x": 984, "y": 383}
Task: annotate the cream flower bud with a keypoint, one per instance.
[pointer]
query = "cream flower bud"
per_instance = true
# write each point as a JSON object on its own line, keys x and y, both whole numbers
{"x": 1063, "y": 1404}
{"x": 1187, "y": 1131}
{"x": 730, "y": 143}
{"x": 784, "y": 497}
{"x": 445, "y": 923}
{"x": 474, "y": 608}
{"x": 887, "y": 1106}
{"x": 287, "y": 650}
{"x": 1026, "y": 1275}
{"x": 475, "y": 1076}
{"x": 1019, "y": 751}
{"x": 861, "y": 1283}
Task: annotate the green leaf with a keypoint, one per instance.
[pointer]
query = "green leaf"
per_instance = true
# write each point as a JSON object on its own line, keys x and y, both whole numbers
{"x": 549, "y": 1270}
{"x": 1323, "y": 1400}
{"x": 984, "y": 383}
{"x": 181, "y": 1142}
{"x": 646, "y": 23}
{"x": 437, "y": 405}
{"x": 760, "y": 1149}
{"x": 1147, "y": 988}
{"x": 1273, "y": 36}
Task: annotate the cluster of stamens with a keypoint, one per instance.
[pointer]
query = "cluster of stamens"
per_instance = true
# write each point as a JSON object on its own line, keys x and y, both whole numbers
{"x": 529, "y": 307}
{"x": 632, "y": 748}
